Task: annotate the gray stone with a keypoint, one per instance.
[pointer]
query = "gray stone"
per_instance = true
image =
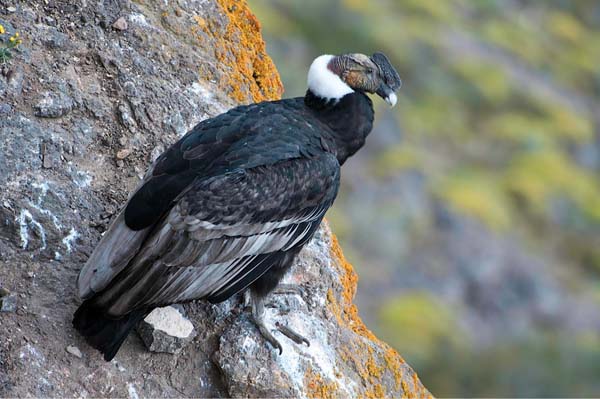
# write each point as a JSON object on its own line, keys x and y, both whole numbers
{"x": 50, "y": 155}
{"x": 53, "y": 105}
{"x": 126, "y": 117}
{"x": 73, "y": 350}
{"x": 55, "y": 39}
{"x": 122, "y": 154}
{"x": 166, "y": 330}
{"x": 130, "y": 89}
{"x": 5, "y": 109}
{"x": 8, "y": 304}
{"x": 120, "y": 24}
{"x": 15, "y": 81}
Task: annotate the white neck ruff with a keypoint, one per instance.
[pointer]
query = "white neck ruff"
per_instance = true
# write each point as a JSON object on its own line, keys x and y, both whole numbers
{"x": 324, "y": 83}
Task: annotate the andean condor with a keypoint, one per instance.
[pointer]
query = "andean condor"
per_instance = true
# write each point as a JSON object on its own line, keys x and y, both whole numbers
{"x": 228, "y": 206}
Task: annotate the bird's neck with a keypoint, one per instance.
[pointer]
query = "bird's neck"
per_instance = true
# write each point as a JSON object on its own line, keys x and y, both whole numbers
{"x": 350, "y": 119}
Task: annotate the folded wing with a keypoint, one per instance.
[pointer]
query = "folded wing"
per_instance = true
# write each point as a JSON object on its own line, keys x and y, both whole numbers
{"x": 224, "y": 232}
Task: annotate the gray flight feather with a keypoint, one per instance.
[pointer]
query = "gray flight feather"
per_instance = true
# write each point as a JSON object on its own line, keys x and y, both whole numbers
{"x": 116, "y": 248}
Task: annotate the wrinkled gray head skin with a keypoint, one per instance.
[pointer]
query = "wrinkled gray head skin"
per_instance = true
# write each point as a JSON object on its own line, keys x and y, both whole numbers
{"x": 389, "y": 75}
{"x": 373, "y": 74}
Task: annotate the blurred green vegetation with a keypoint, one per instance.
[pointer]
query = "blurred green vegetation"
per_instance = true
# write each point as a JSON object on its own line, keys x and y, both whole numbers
{"x": 547, "y": 365}
{"x": 500, "y": 116}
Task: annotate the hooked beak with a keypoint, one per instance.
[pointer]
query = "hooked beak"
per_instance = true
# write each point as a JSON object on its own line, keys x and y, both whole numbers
{"x": 391, "y": 99}
{"x": 387, "y": 94}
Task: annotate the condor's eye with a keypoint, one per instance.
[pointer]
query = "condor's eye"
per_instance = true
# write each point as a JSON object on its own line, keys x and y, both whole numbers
{"x": 369, "y": 71}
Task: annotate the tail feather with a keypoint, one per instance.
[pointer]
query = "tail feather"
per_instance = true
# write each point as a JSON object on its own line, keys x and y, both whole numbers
{"x": 103, "y": 333}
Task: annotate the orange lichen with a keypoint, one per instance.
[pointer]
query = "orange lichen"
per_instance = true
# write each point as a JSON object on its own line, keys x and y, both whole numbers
{"x": 405, "y": 389}
{"x": 249, "y": 73}
{"x": 349, "y": 280}
{"x": 317, "y": 387}
{"x": 376, "y": 392}
{"x": 394, "y": 362}
{"x": 373, "y": 368}
{"x": 371, "y": 358}
{"x": 201, "y": 22}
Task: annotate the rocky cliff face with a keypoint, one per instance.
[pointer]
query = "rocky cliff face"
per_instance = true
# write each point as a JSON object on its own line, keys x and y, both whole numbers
{"x": 95, "y": 92}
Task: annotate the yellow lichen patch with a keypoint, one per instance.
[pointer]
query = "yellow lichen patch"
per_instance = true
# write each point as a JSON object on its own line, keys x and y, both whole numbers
{"x": 404, "y": 386}
{"x": 349, "y": 280}
{"x": 362, "y": 355}
{"x": 250, "y": 74}
{"x": 376, "y": 392}
{"x": 416, "y": 391}
{"x": 417, "y": 384}
{"x": 317, "y": 387}
{"x": 201, "y": 22}
{"x": 373, "y": 368}
{"x": 394, "y": 361}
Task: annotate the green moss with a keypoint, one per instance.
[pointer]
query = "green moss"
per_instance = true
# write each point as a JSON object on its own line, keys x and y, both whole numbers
{"x": 435, "y": 115}
{"x": 567, "y": 124}
{"x": 433, "y": 9}
{"x": 565, "y": 27}
{"x": 491, "y": 81}
{"x": 518, "y": 38}
{"x": 477, "y": 195}
{"x": 524, "y": 128}
{"x": 417, "y": 324}
{"x": 519, "y": 128}
{"x": 396, "y": 159}
{"x": 538, "y": 176}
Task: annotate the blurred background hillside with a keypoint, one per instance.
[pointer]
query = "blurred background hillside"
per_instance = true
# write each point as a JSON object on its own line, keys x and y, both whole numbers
{"x": 473, "y": 214}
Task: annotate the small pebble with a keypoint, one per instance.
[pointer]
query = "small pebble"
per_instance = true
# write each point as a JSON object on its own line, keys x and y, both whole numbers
{"x": 166, "y": 330}
{"x": 124, "y": 153}
{"x": 53, "y": 105}
{"x": 120, "y": 24}
{"x": 73, "y": 350}
{"x": 8, "y": 304}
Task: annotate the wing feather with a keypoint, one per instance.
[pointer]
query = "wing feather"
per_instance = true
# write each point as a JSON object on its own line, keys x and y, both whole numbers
{"x": 118, "y": 246}
{"x": 226, "y": 232}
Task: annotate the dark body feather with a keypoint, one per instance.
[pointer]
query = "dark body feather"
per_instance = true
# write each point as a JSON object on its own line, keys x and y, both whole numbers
{"x": 225, "y": 208}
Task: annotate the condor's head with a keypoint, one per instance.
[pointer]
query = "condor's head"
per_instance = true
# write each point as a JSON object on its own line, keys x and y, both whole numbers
{"x": 334, "y": 76}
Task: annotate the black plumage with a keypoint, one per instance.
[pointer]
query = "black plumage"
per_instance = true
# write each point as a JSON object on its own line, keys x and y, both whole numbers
{"x": 225, "y": 208}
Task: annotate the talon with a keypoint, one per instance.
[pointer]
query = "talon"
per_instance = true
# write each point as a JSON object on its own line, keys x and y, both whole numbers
{"x": 269, "y": 337}
{"x": 288, "y": 289}
{"x": 291, "y": 334}
{"x": 258, "y": 312}
{"x": 247, "y": 299}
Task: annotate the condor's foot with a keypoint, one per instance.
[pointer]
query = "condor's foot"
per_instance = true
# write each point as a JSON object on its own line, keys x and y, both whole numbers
{"x": 288, "y": 289}
{"x": 258, "y": 313}
{"x": 291, "y": 334}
